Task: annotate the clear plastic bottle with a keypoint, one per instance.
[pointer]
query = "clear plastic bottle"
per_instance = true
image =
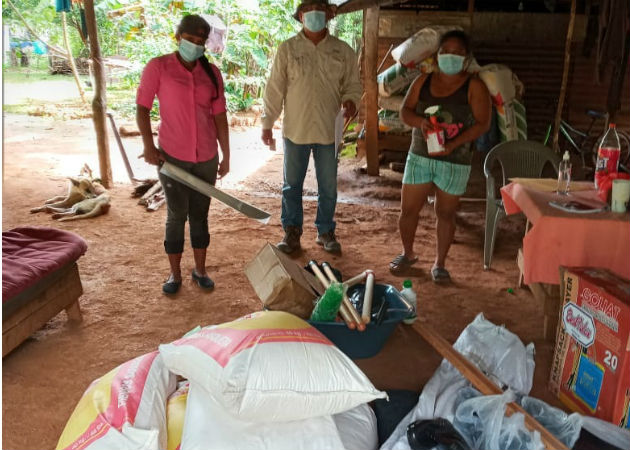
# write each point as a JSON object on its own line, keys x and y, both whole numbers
{"x": 564, "y": 174}
{"x": 410, "y": 295}
{"x": 608, "y": 154}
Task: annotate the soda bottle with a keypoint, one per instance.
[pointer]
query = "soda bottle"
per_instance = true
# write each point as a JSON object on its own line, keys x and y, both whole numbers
{"x": 564, "y": 174}
{"x": 607, "y": 154}
{"x": 410, "y": 295}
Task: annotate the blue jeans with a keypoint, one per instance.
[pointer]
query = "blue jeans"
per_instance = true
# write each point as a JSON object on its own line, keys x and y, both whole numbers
{"x": 296, "y": 157}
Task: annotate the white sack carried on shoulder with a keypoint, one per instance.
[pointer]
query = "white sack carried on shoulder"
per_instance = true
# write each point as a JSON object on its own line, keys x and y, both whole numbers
{"x": 208, "y": 426}
{"x": 421, "y": 45}
{"x": 270, "y": 366}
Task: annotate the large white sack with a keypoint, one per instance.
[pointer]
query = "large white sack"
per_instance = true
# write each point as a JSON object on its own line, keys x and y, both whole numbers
{"x": 208, "y": 426}
{"x": 501, "y": 82}
{"x": 270, "y": 366}
{"x": 496, "y": 351}
{"x": 396, "y": 79}
{"x": 124, "y": 409}
{"x": 421, "y": 45}
{"x": 393, "y": 103}
{"x": 357, "y": 428}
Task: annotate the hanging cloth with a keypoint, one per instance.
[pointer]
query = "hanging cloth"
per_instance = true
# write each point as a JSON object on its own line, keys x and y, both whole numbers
{"x": 63, "y": 5}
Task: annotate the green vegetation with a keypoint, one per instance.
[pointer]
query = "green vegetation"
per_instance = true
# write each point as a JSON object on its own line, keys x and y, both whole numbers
{"x": 141, "y": 30}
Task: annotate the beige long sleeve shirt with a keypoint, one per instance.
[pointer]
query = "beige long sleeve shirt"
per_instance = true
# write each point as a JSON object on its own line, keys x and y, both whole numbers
{"x": 311, "y": 82}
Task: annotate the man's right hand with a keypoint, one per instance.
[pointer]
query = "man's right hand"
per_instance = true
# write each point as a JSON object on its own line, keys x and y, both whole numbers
{"x": 267, "y": 137}
{"x": 152, "y": 155}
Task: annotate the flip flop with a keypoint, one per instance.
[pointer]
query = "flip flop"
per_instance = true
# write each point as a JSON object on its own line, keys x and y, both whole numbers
{"x": 440, "y": 275}
{"x": 401, "y": 263}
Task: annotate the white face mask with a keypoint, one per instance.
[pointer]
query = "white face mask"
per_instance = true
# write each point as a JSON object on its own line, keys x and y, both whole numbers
{"x": 314, "y": 21}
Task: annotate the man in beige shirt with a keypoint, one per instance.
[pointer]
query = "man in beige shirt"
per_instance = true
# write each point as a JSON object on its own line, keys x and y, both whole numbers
{"x": 313, "y": 76}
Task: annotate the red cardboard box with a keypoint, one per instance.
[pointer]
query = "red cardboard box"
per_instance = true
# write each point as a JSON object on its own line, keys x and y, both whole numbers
{"x": 590, "y": 372}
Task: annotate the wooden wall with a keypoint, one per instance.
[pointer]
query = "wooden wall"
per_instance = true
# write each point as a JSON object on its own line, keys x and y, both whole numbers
{"x": 532, "y": 45}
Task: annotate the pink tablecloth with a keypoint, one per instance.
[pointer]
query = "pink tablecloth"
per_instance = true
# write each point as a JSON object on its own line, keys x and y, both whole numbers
{"x": 559, "y": 238}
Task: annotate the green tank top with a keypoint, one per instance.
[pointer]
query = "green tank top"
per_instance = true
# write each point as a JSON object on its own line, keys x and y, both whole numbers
{"x": 455, "y": 116}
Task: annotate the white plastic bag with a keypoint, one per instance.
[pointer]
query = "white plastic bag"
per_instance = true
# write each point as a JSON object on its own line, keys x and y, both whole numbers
{"x": 493, "y": 349}
{"x": 565, "y": 427}
{"x": 208, "y": 426}
{"x": 482, "y": 422}
{"x": 607, "y": 432}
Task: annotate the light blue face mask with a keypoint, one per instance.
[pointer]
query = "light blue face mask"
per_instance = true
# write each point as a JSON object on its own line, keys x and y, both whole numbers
{"x": 450, "y": 64}
{"x": 190, "y": 52}
{"x": 314, "y": 21}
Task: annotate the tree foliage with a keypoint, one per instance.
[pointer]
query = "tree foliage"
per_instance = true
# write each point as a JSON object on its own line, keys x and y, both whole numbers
{"x": 143, "y": 29}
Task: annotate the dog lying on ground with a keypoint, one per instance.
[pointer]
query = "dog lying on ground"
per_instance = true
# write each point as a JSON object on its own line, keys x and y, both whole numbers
{"x": 90, "y": 207}
{"x": 85, "y": 198}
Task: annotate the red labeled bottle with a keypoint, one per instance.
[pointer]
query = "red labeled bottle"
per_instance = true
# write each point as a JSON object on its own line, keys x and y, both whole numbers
{"x": 435, "y": 138}
{"x": 607, "y": 154}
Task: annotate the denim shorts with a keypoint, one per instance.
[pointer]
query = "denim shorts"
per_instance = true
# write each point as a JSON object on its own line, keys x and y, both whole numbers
{"x": 448, "y": 177}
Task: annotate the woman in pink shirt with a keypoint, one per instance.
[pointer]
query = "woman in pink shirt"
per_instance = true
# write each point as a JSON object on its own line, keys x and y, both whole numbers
{"x": 192, "y": 122}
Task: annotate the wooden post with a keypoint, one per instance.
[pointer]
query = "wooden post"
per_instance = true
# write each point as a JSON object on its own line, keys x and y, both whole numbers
{"x": 565, "y": 77}
{"x": 73, "y": 66}
{"x": 99, "y": 103}
{"x": 371, "y": 16}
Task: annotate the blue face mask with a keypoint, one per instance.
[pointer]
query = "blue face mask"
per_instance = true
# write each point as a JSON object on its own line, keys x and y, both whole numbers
{"x": 314, "y": 21}
{"x": 190, "y": 52}
{"x": 450, "y": 64}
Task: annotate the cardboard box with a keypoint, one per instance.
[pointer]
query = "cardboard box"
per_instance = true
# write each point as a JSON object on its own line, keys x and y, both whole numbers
{"x": 590, "y": 371}
{"x": 281, "y": 284}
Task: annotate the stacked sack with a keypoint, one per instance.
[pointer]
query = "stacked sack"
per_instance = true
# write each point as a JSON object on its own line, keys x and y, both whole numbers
{"x": 505, "y": 91}
{"x": 266, "y": 381}
{"x": 413, "y": 57}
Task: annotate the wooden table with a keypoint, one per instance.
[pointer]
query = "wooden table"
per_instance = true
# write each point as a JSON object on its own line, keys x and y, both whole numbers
{"x": 563, "y": 239}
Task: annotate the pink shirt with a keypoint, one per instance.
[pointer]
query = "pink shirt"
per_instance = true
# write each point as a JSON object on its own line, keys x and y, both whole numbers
{"x": 188, "y": 103}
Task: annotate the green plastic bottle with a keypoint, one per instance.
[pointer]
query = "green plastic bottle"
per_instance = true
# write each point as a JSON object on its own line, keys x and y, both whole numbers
{"x": 327, "y": 306}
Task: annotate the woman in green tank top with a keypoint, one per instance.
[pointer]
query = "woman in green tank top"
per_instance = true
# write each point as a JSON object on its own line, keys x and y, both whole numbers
{"x": 462, "y": 109}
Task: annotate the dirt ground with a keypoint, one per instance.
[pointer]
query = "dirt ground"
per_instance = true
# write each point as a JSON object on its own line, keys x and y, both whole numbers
{"x": 126, "y": 315}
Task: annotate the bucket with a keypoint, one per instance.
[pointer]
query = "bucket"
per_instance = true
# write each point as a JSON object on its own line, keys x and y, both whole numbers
{"x": 365, "y": 344}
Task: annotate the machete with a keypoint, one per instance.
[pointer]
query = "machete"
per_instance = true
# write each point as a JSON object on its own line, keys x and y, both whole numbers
{"x": 207, "y": 189}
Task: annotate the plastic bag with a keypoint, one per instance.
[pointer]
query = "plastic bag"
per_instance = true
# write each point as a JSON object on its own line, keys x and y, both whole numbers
{"x": 482, "y": 422}
{"x": 562, "y": 425}
{"x": 607, "y": 432}
{"x": 496, "y": 351}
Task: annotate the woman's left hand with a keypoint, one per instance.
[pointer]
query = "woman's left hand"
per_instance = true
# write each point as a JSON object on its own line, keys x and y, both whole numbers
{"x": 224, "y": 168}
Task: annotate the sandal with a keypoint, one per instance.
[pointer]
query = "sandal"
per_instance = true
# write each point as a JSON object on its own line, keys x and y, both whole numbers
{"x": 204, "y": 281}
{"x": 440, "y": 275}
{"x": 171, "y": 287}
{"x": 401, "y": 263}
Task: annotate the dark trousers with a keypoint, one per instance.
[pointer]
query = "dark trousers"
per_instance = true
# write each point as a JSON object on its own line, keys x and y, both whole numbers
{"x": 184, "y": 203}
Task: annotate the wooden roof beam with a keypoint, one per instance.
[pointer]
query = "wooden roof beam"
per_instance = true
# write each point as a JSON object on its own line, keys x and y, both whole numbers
{"x": 356, "y": 5}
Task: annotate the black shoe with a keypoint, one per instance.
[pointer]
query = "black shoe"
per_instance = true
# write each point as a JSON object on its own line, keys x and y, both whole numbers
{"x": 291, "y": 240}
{"x": 329, "y": 242}
{"x": 171, "y": 287}
{"x": 204, "y": 282}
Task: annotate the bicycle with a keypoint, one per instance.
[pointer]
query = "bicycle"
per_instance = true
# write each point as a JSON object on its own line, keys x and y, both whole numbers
{"x": 586, "y": 144}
